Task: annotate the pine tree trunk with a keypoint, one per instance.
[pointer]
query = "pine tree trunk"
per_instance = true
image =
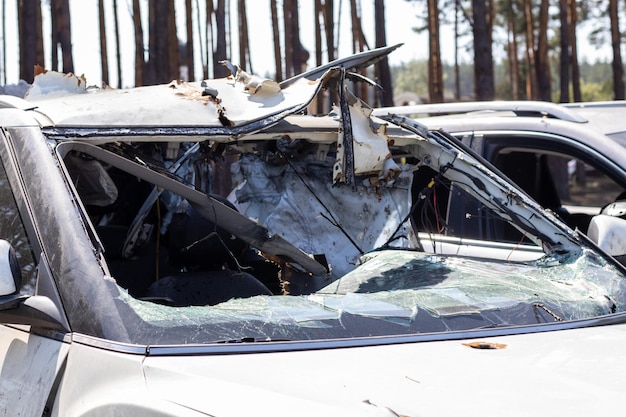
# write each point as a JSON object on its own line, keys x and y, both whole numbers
{"x": 565, "y": 51}
{"x": 278, "y": 63}
{"x": 301, "y": 55}
{"x": 295, "y": 54}
{"x": 483, "y": 56}
{"x": 359, "y": 44}
{"x": 531, "y": 76}
{"x": 104, "y": 63}
{"x": 543, "y": 61}
{"x": 61, "y": 35}
{"x": 435, "y": 71}
{"x": 329, "y": 28}
{"x": 573, "y": 21}
{"x": 164, "y": 59}
{"x": 319, "y": 19}
{"x": 457, "y": 75}
{"x": 40, "y": 57}
{"x": 152, "y": 65}
{"x": 220, "y": 46}
{"x": 210, "y": 12}
{"x": 4, "y": 42}
{"x": 139, "y": 46}
{"x": 288, "y": 31}
{"x": 382, "y": 67}
{"x": 358, "y": 40}
{"x": 29, "y": 17}
{"x": 189, "y": 61}
{"x": 618, "y": 67}
{"x": 172, "y": 57}
{"x": 244, "y": 52}
{"x": 118, "y": 55}
{"x": 512, "y": 53}
{"x": 54, "y": 53}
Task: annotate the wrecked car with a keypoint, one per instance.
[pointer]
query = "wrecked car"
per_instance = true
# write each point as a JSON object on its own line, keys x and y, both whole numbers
{"x": 129, "y": 288}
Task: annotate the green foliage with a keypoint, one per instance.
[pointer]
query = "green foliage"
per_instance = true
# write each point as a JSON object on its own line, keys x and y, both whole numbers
{"x": 597, "y": 72}
{"x": 411, "y": 77}
{"x": 596, "y": 81}
{"x": 597, "y": 91}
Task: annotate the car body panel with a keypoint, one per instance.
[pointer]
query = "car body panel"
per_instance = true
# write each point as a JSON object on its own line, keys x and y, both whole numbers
{"x": 30, "y": 363}
{"x": 604, "y": 117}
{"x": 108, "y": 383}
{"x": 572, "y": 372}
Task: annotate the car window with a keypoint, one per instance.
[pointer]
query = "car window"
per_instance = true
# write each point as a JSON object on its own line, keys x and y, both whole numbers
{"x": 587, "y": 187}
{"x": 568, "y": 186}
{"x": 442, "y": 207}
{"x": 574, "y": 183}
{"x": 12, "y": 229}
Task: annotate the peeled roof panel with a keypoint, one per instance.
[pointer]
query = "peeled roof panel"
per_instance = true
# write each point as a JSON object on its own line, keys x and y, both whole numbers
{"x": 173, "y": 105}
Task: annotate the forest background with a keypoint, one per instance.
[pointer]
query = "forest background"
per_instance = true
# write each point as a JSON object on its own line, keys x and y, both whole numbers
{"x": 501, "y": 49}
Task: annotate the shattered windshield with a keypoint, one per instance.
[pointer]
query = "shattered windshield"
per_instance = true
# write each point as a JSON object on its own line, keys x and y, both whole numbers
{"x": 400, "y": 293}
{"x": 184, "y": 277}
{"x": 331, "y": 227}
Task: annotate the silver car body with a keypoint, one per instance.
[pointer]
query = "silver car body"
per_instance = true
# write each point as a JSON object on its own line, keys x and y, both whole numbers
{"x": 591, "y": 133}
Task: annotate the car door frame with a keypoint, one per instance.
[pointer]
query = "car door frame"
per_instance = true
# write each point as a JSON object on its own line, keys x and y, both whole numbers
{"x": 487, "y": 143}
{"x": 32, "y": 359}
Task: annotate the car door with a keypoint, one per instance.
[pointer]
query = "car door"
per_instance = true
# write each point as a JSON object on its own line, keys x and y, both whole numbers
{"x": 572, "y": 179}
{"x": 30, "y": 359}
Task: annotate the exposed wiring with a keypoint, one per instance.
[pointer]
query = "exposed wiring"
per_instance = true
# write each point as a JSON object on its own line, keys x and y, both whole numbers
{"x": 158, "y": 237}
{"x": 438, "y": 229}
{"x": 423, "y": 199}
{"x": 214, "y": 233}
{"x": 516, "y": 246}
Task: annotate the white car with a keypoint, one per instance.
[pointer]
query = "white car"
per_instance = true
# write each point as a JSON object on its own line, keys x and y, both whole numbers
{"x": 128, "y": 289}
{"x": 571, "y": 158}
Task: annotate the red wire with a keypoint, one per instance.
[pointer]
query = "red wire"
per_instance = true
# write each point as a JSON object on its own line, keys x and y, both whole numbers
{"x": 436, "y": 210}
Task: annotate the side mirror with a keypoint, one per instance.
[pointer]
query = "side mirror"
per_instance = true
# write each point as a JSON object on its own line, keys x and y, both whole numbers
{"x": 36, "y": 311}
{"x": 10, "y": 274}
{"x": 609, "y": 233}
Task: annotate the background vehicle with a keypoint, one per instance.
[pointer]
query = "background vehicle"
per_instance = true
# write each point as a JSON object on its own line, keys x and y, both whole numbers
{"x": 567, "y": 157}
{"x": 314, "y": 292}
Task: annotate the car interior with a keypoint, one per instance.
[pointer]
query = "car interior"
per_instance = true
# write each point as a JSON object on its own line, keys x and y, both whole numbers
{"x": 535, "y": 174}
{"x": 162, "y": 248}
{"x": 179, "y": 257}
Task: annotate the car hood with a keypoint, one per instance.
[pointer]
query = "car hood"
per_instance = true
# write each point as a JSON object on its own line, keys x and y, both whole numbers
{"x": 512, "y": 375}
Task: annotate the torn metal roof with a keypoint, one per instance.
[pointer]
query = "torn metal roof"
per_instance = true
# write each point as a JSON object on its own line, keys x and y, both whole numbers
{"x": 222, "y": 103}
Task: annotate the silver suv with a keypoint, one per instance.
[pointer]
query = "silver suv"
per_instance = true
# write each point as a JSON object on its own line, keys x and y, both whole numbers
{"x": 569, "y": 158}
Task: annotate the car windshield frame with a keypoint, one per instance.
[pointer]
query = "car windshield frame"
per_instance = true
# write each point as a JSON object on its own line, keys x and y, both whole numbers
{"x": 322, "y": 313}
